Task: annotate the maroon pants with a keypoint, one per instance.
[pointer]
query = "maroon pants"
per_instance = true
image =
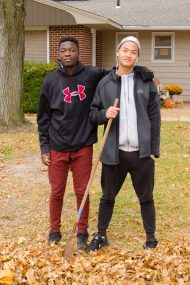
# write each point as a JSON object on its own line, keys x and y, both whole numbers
{"x": 80, "y": 163}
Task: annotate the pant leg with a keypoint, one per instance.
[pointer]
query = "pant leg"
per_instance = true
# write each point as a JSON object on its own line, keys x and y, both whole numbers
{"x": 58, "y": 171}
{"x": 142, "y": 174}
{"x": 81, "y": 165}
{"x": 112, "y": 179}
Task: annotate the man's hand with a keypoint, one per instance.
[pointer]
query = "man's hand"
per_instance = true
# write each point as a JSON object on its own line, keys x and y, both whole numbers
{"x": 152, "y": 156}
{"x": 112, "y": 112}
{"x": 45, "y": 158}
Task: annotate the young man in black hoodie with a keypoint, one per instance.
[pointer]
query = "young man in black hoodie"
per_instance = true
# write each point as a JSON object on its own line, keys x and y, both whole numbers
{"x": 66, "y": 133}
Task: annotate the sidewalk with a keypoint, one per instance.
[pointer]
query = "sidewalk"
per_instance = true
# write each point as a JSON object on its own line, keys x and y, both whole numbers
{"x": 181, "y": 113}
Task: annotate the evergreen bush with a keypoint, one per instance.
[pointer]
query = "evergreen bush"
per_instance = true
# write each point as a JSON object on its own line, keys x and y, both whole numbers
{"x": 34, "y": 74}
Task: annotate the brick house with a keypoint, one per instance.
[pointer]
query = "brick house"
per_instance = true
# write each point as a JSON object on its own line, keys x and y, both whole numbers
{"x": 163, "y": 28}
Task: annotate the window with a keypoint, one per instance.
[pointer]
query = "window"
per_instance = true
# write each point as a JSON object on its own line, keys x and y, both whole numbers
{"x": 163, "y": 47}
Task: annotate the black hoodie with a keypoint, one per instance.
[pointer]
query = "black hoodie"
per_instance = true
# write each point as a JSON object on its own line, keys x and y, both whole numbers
{"x": 63, "y": 113}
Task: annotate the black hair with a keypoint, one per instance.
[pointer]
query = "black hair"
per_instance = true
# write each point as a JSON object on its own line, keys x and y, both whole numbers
{"x": 69, "y": 39}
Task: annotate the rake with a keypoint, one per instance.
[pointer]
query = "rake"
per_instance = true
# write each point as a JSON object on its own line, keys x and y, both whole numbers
{"x": 69, "y": 244}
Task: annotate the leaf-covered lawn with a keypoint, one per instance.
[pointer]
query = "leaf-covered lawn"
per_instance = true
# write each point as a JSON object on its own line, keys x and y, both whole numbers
{"x": 39, "y": 264}
{"x": 25, "y": 257}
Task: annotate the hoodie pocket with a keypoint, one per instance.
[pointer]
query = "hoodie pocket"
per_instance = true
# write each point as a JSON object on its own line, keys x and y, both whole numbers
{"x": 75, "y": 132}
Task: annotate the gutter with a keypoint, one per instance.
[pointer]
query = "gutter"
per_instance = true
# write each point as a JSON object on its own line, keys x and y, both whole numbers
{"x": 159, "y": 28}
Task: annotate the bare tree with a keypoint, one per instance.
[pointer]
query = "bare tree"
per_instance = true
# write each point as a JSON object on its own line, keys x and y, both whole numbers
{"x": 12, "y": 14}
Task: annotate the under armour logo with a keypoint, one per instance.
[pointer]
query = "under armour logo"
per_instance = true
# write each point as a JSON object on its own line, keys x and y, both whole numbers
{"x": 79, "y": 93}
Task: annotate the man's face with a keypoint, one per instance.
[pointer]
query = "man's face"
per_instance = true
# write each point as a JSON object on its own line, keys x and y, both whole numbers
{"x": 68, "y": 54}
{"x": 127, "y": 54}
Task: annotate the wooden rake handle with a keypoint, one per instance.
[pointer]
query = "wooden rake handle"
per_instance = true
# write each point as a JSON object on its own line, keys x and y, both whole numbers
{"x": 69, "y": 245}
{"x": 96, "y": 164}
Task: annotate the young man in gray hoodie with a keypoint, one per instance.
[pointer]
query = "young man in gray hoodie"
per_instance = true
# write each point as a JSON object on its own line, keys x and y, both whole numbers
{"x": 133, "y": 141}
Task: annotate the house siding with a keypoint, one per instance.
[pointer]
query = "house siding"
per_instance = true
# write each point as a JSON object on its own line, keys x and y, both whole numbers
{"x": 174, "y": 72}
{"x": 36, "y": 46}
{"x": 38, "y": 14}
{"x": 108, "y": 49}
{"x": 168, "y": 73}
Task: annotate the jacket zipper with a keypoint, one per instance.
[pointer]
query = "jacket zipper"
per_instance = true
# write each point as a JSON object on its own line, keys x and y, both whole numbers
{"x": 117, "y": 123}
{"x": 135, "y": 97}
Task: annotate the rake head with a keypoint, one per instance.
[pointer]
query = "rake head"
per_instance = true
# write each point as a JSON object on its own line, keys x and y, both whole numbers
{"x": 70, "y": 243}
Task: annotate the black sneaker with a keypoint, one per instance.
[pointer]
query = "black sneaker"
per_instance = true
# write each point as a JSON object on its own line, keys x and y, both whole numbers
{"x": 82, "y": 239}
{"x": 97, "y": 242}
{"x": 150, "y": 243}
{"x": 54, "y": 237}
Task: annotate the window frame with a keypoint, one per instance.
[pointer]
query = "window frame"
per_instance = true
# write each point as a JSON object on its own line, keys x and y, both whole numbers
{"x": 172, "y": 34}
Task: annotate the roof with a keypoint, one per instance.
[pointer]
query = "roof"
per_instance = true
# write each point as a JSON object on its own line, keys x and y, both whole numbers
{"x": 141, "y": 14}
{"x": 81, "y": 16}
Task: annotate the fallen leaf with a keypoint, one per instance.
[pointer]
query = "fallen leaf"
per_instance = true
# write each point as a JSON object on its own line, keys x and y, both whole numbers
{"x": 6, "y": 276}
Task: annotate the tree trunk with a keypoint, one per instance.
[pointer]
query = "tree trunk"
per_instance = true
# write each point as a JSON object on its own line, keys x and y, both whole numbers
{"x": 12, "y": 14}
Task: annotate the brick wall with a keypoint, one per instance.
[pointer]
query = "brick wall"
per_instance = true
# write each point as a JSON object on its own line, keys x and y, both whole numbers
{"x": 83, "y": 34}
{"x": 99, "y": 49}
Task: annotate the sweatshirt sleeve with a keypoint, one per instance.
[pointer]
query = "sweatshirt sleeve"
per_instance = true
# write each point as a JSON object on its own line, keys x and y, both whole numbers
{"x": 104, "y": 72}
{"x": 97, "y": 111}
{"x": 43, "y": 119}
{"x": 155, "y": 119}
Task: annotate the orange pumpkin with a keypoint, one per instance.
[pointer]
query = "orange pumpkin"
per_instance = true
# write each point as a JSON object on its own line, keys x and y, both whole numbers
{"x": 169, "y": 103}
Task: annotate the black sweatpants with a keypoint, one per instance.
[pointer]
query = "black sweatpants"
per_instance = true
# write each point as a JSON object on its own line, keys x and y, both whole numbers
{"x": 112, "y": 179}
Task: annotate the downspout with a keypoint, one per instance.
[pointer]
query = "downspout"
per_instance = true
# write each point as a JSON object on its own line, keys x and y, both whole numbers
{"x": 93, "y": 50}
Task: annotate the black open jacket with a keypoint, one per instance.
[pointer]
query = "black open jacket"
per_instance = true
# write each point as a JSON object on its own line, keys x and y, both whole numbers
{"x": 148, "y": 114}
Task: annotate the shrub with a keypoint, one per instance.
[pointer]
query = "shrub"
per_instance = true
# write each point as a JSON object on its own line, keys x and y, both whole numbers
{"x": 174, "y": 89}
{"x": 34, "y": 74}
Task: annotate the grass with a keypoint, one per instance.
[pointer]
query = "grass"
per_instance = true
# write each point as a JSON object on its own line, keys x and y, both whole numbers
{"x": 24, "y": 191}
